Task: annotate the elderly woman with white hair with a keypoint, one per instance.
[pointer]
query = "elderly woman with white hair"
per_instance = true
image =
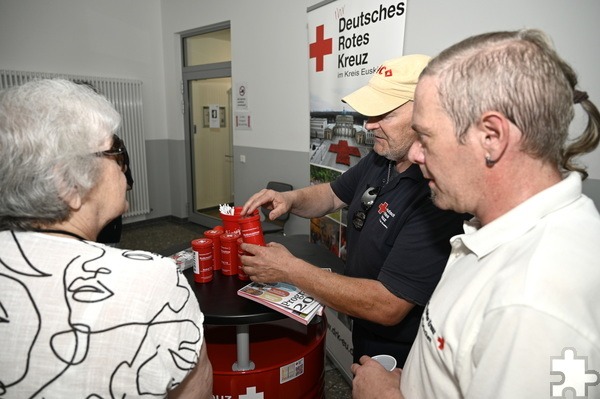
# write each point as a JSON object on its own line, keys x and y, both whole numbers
{"x": 83, "y": 319}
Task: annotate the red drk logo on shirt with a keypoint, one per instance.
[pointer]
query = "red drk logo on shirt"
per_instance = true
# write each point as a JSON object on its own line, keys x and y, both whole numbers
{"x": 385, "y": 213}
{"x": 382, "y": 208}
{"x": 441, "y": 342}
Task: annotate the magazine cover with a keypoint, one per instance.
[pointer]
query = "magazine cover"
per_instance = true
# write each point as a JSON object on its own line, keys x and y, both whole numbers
{"x": 284, "y": 298}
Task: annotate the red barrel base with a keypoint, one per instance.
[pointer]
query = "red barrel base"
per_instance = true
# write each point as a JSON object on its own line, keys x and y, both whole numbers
{"x": 289, "y": 361}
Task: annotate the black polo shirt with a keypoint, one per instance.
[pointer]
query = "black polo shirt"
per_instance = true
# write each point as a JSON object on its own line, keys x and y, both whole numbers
{"x": 404, "y": 242}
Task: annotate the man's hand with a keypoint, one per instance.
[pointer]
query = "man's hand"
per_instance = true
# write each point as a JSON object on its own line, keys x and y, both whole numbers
{"x": 268, "y": 264}
{"x": 371, "y": 380}
{"x": 275, "y": 201}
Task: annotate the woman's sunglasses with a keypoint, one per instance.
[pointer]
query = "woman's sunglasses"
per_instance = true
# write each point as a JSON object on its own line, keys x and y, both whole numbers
{"x": 117, "y": 152}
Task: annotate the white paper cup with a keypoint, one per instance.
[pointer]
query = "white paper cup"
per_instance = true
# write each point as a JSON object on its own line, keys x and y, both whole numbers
{"x": 387, "y": 361}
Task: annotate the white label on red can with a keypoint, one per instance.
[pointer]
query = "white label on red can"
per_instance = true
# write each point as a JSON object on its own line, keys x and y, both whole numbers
{"x": 291, "y": 371}
{"x": 196, "y": 263}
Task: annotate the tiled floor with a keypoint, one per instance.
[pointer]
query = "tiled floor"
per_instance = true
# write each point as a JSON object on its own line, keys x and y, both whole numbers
{"x": 162, "y": 234}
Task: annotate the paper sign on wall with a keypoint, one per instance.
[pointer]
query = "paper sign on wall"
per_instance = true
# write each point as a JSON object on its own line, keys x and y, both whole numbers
{"x": 242, "y": 121}
{"x": 241, "y": 95}
{"x": 213, "y": 111}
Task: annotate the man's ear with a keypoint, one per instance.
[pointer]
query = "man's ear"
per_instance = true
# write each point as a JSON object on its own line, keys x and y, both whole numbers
{"x": 494, "y": 130}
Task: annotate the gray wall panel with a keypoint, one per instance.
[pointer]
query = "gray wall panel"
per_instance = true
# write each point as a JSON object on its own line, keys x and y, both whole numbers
{"x": 178, "y": 179}
{"x": 264, "y": 165}
{"x": 157, "y": 158}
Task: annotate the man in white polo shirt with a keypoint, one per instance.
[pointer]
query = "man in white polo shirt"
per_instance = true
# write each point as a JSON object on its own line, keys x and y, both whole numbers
{"x": 516, "y": 312}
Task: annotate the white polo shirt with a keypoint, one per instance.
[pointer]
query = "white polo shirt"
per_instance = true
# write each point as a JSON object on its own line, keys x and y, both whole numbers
{"x": 518, "y": 304}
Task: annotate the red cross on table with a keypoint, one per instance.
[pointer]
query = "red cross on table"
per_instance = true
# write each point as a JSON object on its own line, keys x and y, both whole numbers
{"x": 321, "y": 47}
{"x": 344, "y": 151}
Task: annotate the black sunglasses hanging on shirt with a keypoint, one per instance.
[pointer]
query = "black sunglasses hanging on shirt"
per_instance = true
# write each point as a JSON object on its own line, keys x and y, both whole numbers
{"x": 366, "y": 202}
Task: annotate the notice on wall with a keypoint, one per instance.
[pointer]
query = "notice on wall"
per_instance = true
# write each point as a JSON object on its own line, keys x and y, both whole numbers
{"x": 213, "y": 112}
{"x": 241, "y": 96}
{"x": 243, "y": 120}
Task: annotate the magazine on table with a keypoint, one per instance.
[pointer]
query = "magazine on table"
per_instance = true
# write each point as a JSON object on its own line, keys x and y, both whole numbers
{"x": 284, "y": 298}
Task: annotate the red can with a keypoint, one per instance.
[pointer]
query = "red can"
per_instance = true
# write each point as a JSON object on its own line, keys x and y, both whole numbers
{"x": 241, "y": 274}
{"x": 230, "y": 222}
{"x": 215, "y": 235}
{"x": 251, "y": 229}
{"x": 203, "y": 260}
{"x": 229, "y": 255}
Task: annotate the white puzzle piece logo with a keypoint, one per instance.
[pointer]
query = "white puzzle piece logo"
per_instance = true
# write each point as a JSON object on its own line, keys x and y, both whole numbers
{"x": 575, "y": 375}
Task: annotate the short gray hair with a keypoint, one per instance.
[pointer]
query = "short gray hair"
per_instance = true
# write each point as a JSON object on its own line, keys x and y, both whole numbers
{"x": 519, "y": 74}
{"x": 49, "y": 132}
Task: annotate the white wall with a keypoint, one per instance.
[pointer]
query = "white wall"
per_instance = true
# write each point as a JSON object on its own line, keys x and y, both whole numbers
{"x": 109, "y": 38}
{"x": 139, "y": 39}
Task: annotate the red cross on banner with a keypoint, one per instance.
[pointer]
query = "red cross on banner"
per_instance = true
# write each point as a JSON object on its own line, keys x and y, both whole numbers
{"x": 321, "y": 47}
{"x": 344, "y": 151}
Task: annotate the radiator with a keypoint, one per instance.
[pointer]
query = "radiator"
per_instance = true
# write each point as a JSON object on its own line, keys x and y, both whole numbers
{"x": 126, "y": 96}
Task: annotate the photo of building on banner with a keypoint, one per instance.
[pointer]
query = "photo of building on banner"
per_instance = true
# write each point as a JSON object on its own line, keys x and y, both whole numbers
{"x": 347, "y": 43}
